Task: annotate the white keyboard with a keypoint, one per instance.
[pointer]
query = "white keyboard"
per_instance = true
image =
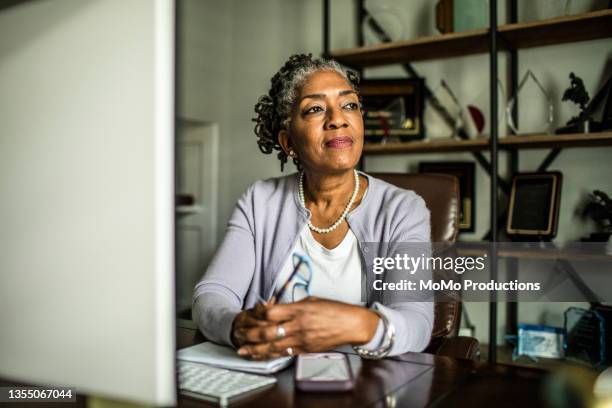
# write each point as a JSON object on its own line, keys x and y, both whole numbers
{"x": 218, "y": 384}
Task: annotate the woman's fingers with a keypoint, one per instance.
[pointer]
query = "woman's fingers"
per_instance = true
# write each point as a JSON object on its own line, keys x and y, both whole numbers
{"x": 286, "y": 311}
{"x": 268, "y": 333}
{"x": 248, "y": 318}
{"x": 259, "y": 311}
{"x": 249, "y": 321}
{"x": 294, "y": 352}
{"x": 243, "y": 321}
{"x": 279, "y": 348}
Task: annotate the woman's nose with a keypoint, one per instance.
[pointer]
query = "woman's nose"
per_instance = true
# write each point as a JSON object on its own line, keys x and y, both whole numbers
{"x": 335, "y": 119}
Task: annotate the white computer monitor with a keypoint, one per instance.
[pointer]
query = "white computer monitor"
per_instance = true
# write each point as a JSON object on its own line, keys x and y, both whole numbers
{"x": 86, "y": 197}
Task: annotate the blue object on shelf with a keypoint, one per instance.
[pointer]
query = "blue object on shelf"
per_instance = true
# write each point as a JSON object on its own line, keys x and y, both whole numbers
{"x": 540, "y": 341}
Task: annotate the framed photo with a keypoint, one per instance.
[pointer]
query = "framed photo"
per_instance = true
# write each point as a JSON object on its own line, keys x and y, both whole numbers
{"x": 464, "y": 171}
{"x": 393, "y": 109}
{"x": 534, "y": 205}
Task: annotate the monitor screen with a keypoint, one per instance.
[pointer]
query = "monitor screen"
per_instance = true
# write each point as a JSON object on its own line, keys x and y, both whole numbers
{"x": 87, "y": 211}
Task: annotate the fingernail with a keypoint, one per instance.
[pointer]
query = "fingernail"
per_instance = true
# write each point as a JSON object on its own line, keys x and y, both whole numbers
{"x": 242, "y": 351}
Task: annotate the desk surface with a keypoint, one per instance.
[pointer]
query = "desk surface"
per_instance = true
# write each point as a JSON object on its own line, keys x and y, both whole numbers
{"x": 442, "y": 382}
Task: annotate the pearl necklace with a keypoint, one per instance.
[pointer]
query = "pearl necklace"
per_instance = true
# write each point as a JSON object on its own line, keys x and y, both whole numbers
{"x": 344, "y": 213}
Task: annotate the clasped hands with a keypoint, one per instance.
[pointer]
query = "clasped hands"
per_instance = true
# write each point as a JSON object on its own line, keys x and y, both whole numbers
{"x": 311, "y": 325}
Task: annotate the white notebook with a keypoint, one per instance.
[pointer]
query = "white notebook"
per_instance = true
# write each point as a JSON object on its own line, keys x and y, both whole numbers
{"x": 226, "y": 357}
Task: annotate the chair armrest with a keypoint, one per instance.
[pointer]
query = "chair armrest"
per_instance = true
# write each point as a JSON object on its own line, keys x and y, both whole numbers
{"x": 457, "y": 347}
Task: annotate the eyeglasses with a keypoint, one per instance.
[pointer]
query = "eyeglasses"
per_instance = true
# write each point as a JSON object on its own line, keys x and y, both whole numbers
{"x": 299, "y": 279}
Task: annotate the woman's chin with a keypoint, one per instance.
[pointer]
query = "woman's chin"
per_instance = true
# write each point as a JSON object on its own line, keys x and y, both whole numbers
{"x": 335, "y": 168}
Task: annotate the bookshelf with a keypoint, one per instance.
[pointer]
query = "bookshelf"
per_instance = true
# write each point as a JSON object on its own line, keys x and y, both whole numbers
{"x": 561, "y": 30}
{"x": 506, "y": 38}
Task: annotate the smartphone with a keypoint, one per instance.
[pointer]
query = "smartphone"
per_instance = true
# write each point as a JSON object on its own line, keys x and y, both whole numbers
{"x": 323, "y": 372}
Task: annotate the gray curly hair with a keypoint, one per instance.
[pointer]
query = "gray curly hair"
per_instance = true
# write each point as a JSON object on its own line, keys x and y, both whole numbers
{"x": 274, "y": 109}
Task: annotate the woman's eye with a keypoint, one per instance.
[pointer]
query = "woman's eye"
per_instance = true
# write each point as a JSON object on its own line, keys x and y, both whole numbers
{"x": 314, "y": 109}
{"x": 352, "y": 106}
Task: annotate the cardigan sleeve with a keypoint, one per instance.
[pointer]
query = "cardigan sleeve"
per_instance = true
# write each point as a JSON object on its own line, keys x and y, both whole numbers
{"x": 219, "y": 296}
{"x": 412, "y": 315}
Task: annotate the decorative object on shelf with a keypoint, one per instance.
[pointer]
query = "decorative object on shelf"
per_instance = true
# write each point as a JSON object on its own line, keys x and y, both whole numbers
{"x": 546, "y": 127}
{"x": 382, "y": 15}
{"x": 599, "y": 209}
{"x": 536, "y": 340}
{"x": 393, "y": 109}
{"x": 464, "y": 120}
{"x": 576, "y": 93}
{"x": 534, "y": 205}
{"x": 381, "y": 36}
{"x": 601, "y": 105}
{"x": 446, "y": 98}
{"x": 594, "y": 117}
{"x": 588, "y": 334}
{"x": 455, "y": 16}
{"x": 444, "y": 16}
{"x": 464, "y": 171}
{"x": 475, "y": 118}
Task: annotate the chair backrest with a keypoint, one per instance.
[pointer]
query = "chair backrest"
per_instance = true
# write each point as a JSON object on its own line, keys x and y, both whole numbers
{"x": 441, "y": 195}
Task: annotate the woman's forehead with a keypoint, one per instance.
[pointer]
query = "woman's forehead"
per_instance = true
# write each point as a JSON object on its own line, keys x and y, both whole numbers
{"x": 324, "y": 82}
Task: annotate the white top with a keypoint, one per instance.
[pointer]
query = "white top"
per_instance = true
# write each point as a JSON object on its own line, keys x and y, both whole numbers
{"x": 336, "y": 275}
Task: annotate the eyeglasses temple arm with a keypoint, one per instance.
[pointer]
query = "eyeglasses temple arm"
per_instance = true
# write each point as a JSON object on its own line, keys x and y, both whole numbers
{"x": 284, "y": 287}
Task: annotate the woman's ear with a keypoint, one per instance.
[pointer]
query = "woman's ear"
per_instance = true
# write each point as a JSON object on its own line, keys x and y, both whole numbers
{"x": 285, "y": 142}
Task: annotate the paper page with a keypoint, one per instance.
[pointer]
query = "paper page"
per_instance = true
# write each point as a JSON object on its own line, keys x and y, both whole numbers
{"x": 226, "y": 357}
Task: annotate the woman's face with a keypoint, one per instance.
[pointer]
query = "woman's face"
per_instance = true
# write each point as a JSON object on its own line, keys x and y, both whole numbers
{"x": 326, "y": 128}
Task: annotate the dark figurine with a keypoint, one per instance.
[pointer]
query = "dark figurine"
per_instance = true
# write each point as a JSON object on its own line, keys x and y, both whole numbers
{"x": 576, "y": 93}
{"x": 582, "y": 123}
{"x": 599, "y": 209}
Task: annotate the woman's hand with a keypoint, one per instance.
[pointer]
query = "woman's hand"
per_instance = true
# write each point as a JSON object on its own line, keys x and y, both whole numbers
{"x": 311, "y": 325}
{"x": 247, "y": 320}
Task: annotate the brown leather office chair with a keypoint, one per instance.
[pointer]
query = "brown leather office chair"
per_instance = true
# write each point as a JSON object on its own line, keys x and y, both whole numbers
{"x": 441, "y": 195}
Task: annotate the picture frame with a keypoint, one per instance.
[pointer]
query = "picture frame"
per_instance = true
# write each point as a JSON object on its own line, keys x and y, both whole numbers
{"x": 534, "y": 205}
{"x": 393, "y": 109}
{"x": 465, "y": 172}
{"x": 455, "y": 16}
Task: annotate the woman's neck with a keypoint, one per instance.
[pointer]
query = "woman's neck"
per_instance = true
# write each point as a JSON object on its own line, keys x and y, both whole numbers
{"x": 326, "y": 190}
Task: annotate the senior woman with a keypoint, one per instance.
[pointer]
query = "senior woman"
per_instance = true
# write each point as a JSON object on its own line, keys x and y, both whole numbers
{"x": 315, "y": 220}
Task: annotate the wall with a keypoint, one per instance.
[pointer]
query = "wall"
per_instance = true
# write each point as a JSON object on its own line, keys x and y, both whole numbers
{"x": 229, "y": 51}
{"x": 265, "y": 32}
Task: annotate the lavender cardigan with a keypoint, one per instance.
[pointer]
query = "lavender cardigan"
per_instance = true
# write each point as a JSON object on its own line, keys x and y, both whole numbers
{"x": 263, "y": 229}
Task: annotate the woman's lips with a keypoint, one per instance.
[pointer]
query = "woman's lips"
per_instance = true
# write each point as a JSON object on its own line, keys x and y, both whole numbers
{"x": 339, "y": 142}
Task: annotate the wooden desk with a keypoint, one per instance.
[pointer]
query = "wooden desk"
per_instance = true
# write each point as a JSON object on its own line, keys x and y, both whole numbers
{"x": 440, "y": 382}
{"x": 411, "y": 380}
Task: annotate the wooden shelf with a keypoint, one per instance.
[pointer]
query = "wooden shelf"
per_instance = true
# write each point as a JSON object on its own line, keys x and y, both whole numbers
{"x": 421, "y": 49}
{"x": 556, "y": 141}
{"x": 506, "y": 143}
{"x": 426, "y": 146}
{"x": 583, "y": 27}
